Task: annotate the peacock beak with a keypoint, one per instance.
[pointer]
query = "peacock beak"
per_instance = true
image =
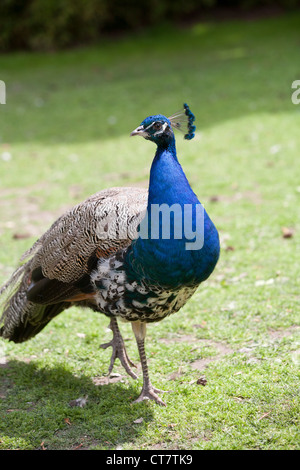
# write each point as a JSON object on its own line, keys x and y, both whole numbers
{"x": 139, "y": 131}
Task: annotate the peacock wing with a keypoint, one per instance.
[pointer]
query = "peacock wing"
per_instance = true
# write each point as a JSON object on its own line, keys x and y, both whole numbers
{"x": 63, "y": 258}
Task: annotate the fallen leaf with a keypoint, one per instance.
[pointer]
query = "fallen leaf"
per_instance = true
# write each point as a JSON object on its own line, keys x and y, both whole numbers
{"x": 287, "y": 232}
{"x": 67, "y": 421}
{"x": 78, "y": 447}
{"x": 20, "y": 236}
{"x": 202, "y": 381}
{"x": 214, "y": 198}
{"x": 138, "y": 420}
{"x": 229, "y": 248}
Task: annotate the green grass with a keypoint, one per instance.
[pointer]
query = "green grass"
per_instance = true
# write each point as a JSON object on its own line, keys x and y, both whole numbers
{"x": 64, "y": 134}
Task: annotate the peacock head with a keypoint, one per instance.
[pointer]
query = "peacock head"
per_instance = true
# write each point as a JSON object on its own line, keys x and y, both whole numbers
{"x": 159, "y": 129}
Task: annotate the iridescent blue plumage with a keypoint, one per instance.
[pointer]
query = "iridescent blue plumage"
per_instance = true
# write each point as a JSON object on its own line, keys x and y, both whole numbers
{"x": 191, "y": 127}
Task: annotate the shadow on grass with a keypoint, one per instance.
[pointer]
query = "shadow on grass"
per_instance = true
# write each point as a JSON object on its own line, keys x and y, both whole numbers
{"x": 35, "y": 409}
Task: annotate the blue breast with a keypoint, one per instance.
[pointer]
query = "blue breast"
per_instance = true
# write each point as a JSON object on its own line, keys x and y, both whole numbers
{"x": 173, "y": 261}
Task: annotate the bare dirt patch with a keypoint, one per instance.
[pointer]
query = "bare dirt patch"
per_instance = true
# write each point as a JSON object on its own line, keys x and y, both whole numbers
{"x": 21, "y": 212}
{"x": 222, "y": 348}
{"x": 278, "y": 334}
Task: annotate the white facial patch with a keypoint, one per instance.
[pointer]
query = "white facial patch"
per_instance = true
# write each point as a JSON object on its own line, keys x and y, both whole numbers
{"x": 160, "y": 131}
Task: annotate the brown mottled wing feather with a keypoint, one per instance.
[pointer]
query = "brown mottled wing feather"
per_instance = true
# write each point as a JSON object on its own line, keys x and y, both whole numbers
{"x": 102, "y": 224}
{"x": 56, "y": 270}
{"x": 67, "y": 253}
{"x": 58, "y": 265}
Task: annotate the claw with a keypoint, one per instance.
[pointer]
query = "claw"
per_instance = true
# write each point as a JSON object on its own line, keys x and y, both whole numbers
{"x": 119, "y": 350}
{"x": 150, "y": 393}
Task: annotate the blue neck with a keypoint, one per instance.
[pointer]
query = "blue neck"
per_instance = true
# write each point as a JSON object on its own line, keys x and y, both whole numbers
{"x": 168, "y": 183}
{"x": 167, "y": 261}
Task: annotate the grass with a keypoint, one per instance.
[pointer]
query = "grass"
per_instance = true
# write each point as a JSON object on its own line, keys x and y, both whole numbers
{"x": 64, "y": 135}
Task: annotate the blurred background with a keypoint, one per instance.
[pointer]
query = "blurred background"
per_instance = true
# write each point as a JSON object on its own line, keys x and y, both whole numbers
{"x": 44, "y": 25}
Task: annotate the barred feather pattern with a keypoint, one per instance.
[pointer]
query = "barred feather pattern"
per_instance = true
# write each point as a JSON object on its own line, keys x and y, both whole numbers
{"x": 94, "y": 227}
{"x": 13, "y": 301}
{"x": 97, "y": 223}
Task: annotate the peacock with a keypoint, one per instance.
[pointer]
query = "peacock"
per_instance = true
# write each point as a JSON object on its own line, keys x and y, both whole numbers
{"x": 132, "y": 254}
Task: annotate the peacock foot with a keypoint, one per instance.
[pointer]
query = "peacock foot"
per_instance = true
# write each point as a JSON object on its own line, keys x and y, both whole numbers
{"x": 150, "y": 393}
{"x": 119, "y": 351}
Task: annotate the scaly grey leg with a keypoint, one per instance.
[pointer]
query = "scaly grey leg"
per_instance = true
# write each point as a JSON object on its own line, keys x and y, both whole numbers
{"x": 148, "y": 391}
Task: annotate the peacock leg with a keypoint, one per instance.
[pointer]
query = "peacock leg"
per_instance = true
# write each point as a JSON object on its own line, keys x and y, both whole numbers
{"x": 148, "y": 391}
{"x": 119, "y": 350}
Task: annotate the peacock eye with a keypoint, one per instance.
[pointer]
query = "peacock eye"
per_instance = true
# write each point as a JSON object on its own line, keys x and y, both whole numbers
{"x": 157, "y": 126}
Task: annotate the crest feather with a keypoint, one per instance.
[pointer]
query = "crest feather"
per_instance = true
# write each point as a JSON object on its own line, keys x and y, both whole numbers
{"x": 184, "y": 118}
